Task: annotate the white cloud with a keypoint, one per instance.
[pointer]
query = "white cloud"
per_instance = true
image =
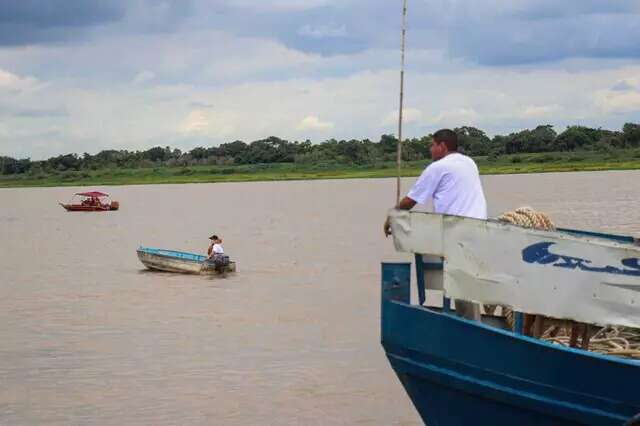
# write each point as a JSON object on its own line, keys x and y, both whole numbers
{"x": 243, "y": 88}
{"x": 279, "y": 5}
{"x": 610, "y": 101}
{"x": 344, "y": 107}
{"x": 540, "y": 111}
{"x": 10, "y": 81}
{"x": 322, "y": 31}
{"x": 409, "y": 115}
{"x": 210, "y": 123}
{"x": 632, "y": 83}
{"x": 311, "y": 122}
{"x": 196, "y": 122}
{"x": 248, "y": 59}
{"x": 143, "y": 77}
{"x": 457, "y": 117}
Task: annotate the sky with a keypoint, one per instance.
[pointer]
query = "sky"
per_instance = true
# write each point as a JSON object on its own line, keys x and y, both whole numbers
{"x": 82, "y": 76}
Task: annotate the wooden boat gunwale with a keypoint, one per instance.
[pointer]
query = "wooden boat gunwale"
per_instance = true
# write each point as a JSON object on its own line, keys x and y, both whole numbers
{"x": 181, "y": 255}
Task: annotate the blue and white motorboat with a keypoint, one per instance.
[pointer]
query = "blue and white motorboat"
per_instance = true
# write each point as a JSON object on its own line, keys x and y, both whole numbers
{"x": 462, "y": 372}
{"x": 181, "y": 262}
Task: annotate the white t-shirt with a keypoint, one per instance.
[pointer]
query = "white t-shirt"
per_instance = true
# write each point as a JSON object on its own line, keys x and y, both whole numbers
{"x": 454, "y": 184}
{"x": 217, "y": 249}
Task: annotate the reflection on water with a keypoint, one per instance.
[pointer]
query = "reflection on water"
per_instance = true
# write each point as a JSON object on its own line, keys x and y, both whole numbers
{"x": 88, "y": 336}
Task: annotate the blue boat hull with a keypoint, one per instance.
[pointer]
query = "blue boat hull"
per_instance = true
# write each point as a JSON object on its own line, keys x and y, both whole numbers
{"x": 460, "y": 372}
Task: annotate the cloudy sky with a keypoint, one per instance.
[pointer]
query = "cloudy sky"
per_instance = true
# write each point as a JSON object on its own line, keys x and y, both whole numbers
{"x": 82, "y": 76}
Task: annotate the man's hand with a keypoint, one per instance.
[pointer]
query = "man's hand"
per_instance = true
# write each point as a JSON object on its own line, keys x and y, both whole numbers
{"x": 387, "y": 227}
{"x": 405, "y": 204}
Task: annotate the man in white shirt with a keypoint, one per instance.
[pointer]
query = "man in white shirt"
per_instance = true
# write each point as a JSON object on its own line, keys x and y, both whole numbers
{"x": 452, "y": 180}
{"x": 216, "y": 254}
{"x": 215, "y": 247}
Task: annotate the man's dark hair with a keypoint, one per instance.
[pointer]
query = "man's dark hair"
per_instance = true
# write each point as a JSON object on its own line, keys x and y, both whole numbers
{"x": 448, "y": 137}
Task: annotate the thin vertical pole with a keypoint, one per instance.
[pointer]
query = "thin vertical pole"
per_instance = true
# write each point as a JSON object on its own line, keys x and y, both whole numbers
{"x": 518, "y": 319}
{"x": 399, "y": 153}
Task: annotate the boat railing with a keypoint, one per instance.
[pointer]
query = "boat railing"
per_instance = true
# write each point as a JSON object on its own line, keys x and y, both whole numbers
{"x": 173, "y": 253}
{"x": 430, "y": 278}
{"x": 611, "y": 237}
{"x": 587, "y": 277}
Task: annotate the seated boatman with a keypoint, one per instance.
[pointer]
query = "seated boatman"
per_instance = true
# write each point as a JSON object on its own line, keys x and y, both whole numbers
{"x": 216, "y": 253}
{"x": 215, "y": 247}
{"x": 452, "y": 180}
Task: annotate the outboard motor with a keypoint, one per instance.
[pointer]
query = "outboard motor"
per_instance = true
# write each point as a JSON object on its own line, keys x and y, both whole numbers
{"x": 221, "y": 262}
{"x": 218, "y": 263}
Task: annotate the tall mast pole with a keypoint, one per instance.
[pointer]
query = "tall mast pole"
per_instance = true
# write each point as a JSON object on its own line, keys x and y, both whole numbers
{"x": 399, "y": 153}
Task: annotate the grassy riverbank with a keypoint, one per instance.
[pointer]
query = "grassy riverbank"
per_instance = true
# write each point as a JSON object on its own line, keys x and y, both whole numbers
{"x": 507, "y": 164}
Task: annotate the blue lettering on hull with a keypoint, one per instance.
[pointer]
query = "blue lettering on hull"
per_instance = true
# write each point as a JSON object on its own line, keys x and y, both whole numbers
{"x": 539, "y": 253}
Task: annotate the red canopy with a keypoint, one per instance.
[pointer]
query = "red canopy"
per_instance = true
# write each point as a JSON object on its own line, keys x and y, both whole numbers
{"x": 94, "y": 194}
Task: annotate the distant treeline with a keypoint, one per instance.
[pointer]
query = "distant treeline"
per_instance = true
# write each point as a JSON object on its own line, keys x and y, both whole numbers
{"x": 473, "y": 142}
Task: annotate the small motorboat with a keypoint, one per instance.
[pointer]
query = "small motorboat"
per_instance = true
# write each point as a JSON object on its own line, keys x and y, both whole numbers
{"x": 182, "y": 262}
{"x": 92, "y": 201}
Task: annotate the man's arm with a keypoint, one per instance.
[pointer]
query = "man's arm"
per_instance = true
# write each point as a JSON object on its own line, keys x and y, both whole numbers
{"x": 405, "y": 204}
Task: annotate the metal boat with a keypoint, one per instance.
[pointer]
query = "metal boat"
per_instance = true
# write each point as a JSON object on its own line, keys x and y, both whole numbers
{"x": 181, "y": 262}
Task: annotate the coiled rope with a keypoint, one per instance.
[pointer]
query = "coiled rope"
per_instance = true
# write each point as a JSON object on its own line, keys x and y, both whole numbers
{"x": 610, "y": 340}
{"x": 528, "y": 218}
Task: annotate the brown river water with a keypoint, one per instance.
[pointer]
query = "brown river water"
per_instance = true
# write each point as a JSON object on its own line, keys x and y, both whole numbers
{"x": 87, "y": 336}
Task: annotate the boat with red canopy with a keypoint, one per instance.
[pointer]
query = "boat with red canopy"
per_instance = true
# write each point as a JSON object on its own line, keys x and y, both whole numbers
{"x": 92, "y": 201}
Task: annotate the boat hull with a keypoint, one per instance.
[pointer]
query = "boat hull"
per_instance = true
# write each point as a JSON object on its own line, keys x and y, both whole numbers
{"x": 178, "y": 262}
{"x": 81, "y": 208}
{"x": 460, "y": 372}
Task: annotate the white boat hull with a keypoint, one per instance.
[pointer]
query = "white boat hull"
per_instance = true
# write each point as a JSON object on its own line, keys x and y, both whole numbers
{"x": 184, "y": 266}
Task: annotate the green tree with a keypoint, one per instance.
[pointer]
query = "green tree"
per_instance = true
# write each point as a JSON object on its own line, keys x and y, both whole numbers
{"x": 10, "y": 166}
{"x": 156, "y": 154}
{"x": 631, "y": 134}
{"x": 232, "y": 149}
{"x": 388, "y": 143}
{"x": 473, "y": 141}
{"x": 575, "y": 137}
{"x": 199, "y": 153}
